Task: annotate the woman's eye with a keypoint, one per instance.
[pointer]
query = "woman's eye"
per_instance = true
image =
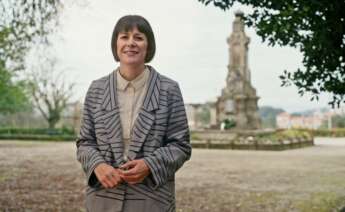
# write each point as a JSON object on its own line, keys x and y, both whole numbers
{"x": 139, "y": 38}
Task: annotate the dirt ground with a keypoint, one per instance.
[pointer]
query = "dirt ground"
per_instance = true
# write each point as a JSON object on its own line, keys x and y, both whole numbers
{"x": 45, "y": 176}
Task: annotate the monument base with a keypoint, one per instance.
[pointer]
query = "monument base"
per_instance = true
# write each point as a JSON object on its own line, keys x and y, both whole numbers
{"x": 275, "y": 140}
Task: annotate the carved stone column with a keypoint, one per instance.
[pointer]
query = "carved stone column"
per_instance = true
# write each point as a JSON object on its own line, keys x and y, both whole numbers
{"x": 238, "y": 100}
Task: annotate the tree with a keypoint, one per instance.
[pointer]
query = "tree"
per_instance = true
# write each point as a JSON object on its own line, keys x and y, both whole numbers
{"x": 268, "y": 116}
{"x": 338, "y": 121}
{"x": 22, "y": 25}
{"x": 316, "y": 28}
{"x": 204, "y": 115}
{"x": 49, "y": 90}
{"x": 12, "y": 97}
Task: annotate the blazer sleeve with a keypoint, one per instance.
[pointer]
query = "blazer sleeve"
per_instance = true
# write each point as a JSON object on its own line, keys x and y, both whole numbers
{"x": 166, "y": 160}
{"x": 87, "y": 151}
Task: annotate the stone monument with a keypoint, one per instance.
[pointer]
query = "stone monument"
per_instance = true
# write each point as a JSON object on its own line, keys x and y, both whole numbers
{"x": 238, "y": 100}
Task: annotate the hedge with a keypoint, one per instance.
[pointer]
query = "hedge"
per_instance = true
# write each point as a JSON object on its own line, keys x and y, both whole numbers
{"x": 59, "y": 134}
{"x": 335, "y": 132}
{"x": 38, "y": 137}
{"x": 36, "y": 131}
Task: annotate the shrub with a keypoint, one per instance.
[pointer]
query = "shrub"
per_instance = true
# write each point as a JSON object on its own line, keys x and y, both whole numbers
{"x": 38, "y": 137}
{"x": 36, "y": 131}
{"x": 60, "y": 134}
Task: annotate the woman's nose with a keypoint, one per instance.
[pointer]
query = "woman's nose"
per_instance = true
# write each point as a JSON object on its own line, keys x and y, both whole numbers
{"x": 130, "y": 41}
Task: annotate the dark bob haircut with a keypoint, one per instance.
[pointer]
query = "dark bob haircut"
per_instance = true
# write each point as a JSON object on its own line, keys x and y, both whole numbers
{"x": 126, "y": 24}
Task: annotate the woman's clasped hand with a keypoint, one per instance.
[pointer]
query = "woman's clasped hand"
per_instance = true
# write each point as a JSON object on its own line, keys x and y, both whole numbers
{"x": 132, "y": 172}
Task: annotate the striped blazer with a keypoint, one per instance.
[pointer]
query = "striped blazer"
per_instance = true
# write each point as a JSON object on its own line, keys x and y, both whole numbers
{"x": 160, "y": 136}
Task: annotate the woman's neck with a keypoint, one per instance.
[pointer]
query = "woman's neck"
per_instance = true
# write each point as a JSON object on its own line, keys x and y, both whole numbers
{"x": 131, "y": 72}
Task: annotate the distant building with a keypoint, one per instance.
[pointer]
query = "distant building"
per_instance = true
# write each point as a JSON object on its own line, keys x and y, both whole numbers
{"x": 192, "y": 111}
{"x": 288, "y": 121}
{"x": 201, "y": 116}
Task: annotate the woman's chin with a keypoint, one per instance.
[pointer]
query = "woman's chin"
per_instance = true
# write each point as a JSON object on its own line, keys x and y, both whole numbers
{"x": 132, "y": 62}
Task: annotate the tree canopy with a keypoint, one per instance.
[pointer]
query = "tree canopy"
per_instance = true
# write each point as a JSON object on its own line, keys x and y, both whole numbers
{"x": 22, "y": 25}
{"x": 12, "y": 95}
{"x": 268, "y": 116}
{"x": 316, "y": 28}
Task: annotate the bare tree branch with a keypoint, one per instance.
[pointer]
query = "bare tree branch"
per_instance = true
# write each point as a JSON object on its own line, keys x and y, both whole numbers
{"x": 50, "y": 90}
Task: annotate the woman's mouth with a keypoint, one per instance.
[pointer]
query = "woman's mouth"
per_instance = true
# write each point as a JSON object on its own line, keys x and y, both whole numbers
{"x": 130, "y": 53}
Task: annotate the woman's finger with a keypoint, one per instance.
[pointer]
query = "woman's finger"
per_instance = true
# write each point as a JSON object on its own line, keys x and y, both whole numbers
{"x": 129, "y": 165}
{"x": 131, "y": 178}
{"x": 106, "y": 183}
{"x": 116, "y": 178}
{"x": 132, "y": 171}
{"x": 134, "y": 179}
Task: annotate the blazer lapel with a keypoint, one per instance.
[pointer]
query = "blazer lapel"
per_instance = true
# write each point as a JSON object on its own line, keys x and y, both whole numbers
{"x": 111, "y": 118}
{"x": 146, "y": 115}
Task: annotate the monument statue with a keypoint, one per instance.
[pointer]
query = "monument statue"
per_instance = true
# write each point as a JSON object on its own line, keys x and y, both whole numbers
{"x": 238, "y": 100}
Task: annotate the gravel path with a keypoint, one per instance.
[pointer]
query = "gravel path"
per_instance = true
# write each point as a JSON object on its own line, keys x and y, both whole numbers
{"x": 43, "y": 176}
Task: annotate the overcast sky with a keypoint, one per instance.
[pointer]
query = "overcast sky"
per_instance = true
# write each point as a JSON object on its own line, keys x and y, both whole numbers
{"x": 191, "y": 49}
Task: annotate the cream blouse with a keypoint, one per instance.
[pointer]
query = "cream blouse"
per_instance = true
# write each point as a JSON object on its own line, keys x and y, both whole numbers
{"x": 130, "y": 96}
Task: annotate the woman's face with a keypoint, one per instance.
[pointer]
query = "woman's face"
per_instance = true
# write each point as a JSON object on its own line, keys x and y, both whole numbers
{"x": 132, "y": 47}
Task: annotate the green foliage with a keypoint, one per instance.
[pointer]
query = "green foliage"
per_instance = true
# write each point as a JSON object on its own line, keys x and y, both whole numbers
{"x": 336, "y": 132}
{"x": 39, "y": 137}
{"x": 229, "y": 123}
{"x": 268, "y": 116}
{"x": 338, "y": 121}
{"x": 316, "y": 28}
{"x": 281, "y": 135}
{"x": 276, "y": 140}
{"x": 194, "y": 136}
{"x": 45, "y": 134}
{"x": 23, "y": 24}
{"x": 12, "y": 94}
{"x": 204, "y": 115}
{"x": 36, "y": 131}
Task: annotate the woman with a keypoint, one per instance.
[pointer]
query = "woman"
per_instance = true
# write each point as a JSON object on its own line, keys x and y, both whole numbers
{"x": 134, "y": 134}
